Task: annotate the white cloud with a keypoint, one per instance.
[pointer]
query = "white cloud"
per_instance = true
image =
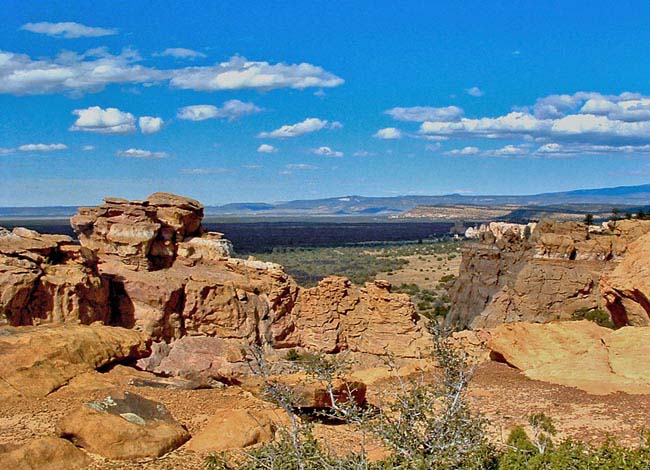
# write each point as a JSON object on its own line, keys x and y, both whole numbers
{"x": 388, "y": 133}
{"x": 433, "y": 147}
{"x": 474, "y": 91}
{"x": 5, "y": 151}
{"x": 300, "y": 166}
{"x": 231, "y": 110}
{"x": 88, "y": 148}
{"x": 363, "y": 153}
{"x": 92, "y": 71}
{"x": 150, "y": 124}
{"x": 42, "y": 147}
{"x": 426, "y": 113}
{"x": 205, "y": 171}
{"x": 554, "y": 149}
{"x": 139, "y": 153}
{"x": 181, "y": 53}
{"x": 68, "y": 30}
{"x": 103, "y": 121}
{"x": 253, "y": 167}
{"x": 464, "y": 151}
{"x": 307, "y": 126}
{"x": 266, "y": 148}
{"x": 326, "y": 152}
{"x": 239, "y": 73}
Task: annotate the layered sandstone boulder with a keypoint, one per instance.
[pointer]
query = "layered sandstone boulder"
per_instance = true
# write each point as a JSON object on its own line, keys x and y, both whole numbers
{"x": 39, "y": 360}
{"x": 48, "y": 279}
{"x": 577, "y": 354}
{"x": 543, "y": 276}
{"x": 123, "y": 427}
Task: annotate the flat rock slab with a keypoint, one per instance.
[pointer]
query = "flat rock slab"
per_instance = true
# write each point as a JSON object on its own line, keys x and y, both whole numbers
{"x": 577, "y": 354}
{"x": 123, "y": 428}
{"x": 39, "y": 360}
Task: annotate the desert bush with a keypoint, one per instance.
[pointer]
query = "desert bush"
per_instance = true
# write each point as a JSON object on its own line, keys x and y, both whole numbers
{"x": 597, "y": 315}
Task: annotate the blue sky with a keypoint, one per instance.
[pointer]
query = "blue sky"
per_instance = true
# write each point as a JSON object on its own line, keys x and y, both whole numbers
{"x": 270, "y": 101}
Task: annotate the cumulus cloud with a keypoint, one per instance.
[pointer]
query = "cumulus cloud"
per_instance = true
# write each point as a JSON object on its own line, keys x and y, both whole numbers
{"x": 584, "y": 117}
{"x": 554, "y": 149}
{"x": 388, "y": 133}
{"x": 68, "y": 30}
{"x": 139, "y": 153}
{"x": 474, "y": 91}
{"x": 426, "y": 113}
{"x": 92, "y": 71}
{"x": 181, "y": 53}
{"x": 433, "y": 147}
{"x": 42, "y": 147}
{"x": 231, "y": 110}
{"x": 307, "y": 126}
{"x": 5, "y": 151}
{"x": 103, "y": 121}
{"x": 326, "y": 152}
{"x": 239, "y": 73}
{"x": 88, "y": 148}
{"x": 72, "y": 73}
{"x": 205, "y": 171}
{"x": 266, "y": 148}
{"x": 150, "y": 124}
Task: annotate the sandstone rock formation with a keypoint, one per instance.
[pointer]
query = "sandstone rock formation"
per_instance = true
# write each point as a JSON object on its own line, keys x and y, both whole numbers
{"x": 43, "y": 453}
{"x": 627, "y": 288}
{"x": 544, "y": 276}
{"x": 127, "y": 427}
{"x": 38, "y": 360}
{"x": 48, "y": 279}
{"x": 578, "y": 354}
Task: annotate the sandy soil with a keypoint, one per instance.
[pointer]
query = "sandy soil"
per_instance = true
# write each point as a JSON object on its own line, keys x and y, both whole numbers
{"x": 502, "y": 393}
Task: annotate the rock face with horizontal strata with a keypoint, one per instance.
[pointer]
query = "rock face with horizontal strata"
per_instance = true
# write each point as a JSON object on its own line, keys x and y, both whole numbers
{"x": 544, "y": 276}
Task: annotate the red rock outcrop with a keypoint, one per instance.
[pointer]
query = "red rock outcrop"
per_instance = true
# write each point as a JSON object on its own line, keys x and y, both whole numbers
{"x": 48, "y": 279}
{"x": 149, "y": 265}
{"x": 545, "y": 276}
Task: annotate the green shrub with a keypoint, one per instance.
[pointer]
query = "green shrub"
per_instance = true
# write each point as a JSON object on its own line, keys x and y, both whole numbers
{"x": 597, "y": 315}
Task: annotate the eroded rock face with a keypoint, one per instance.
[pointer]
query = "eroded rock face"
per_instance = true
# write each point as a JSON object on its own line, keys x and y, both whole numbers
{"x": 627, "y": 288}
{"x": 545, "y": 276}
{"x": 39, "y": 360}
{"x": 577, "y": 354}
{"x": 123, "y": 427}
{"x": 48, "y": 279}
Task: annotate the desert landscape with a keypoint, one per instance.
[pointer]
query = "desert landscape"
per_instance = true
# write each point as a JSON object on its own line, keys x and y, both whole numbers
{"x": 143, "y": 343}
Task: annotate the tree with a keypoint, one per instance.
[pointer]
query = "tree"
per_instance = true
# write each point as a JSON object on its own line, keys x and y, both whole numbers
{"x": 589, "y": 219}
{"x": 641, "y": 214}
{"x": 616, "y": 213}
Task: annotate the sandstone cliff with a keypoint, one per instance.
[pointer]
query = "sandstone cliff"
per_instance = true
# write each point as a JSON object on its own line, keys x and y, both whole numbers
{"x": 543, "y": 274}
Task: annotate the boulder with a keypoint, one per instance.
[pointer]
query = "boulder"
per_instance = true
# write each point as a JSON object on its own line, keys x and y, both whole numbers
{"x": 43, "y": 453}
{"x": 123, "y": 428}
{"x": 39, "y": 360}
{"x": 308, "y": 392}
{"x": 577, "y": 354}
{"x": 202, "y": 359}
{"x": 234, "y": 429}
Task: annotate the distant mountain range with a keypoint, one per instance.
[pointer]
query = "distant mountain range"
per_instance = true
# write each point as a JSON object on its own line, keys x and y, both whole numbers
{"x": 580, "y": 200}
